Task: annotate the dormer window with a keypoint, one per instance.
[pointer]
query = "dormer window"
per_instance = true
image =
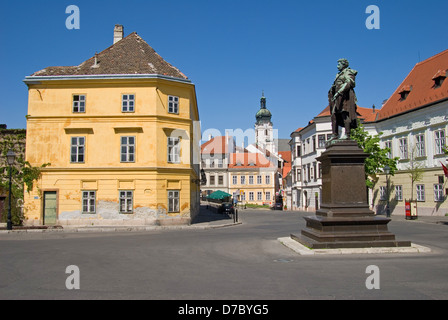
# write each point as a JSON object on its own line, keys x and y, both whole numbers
{"x": 404, "y": 92}
{"x": 439, "y": 77}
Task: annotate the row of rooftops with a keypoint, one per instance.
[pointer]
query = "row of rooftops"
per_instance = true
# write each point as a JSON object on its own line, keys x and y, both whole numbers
{"x": 131, "y": 55}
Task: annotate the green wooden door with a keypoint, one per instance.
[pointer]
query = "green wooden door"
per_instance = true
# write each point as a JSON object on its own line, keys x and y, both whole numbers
{"x": 50, "y": 207}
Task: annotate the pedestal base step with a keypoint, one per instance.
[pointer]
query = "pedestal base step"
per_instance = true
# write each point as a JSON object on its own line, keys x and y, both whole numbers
{"x": 313, "y": 244}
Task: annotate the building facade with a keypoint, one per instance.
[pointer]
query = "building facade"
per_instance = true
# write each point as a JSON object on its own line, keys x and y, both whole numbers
{"x": 307, "y": 144}
{"x": 253, "y": 179}
{"x": 215, "y": 160}
{"x": 414, "y": 123}
{"x": 119, "y": 131}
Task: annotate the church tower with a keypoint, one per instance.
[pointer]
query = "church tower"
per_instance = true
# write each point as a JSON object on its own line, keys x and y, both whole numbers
{"x": 264, "y": 132}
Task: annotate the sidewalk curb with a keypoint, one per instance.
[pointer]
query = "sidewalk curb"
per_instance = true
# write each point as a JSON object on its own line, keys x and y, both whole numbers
{"x": 303, "y": 250}
{"x": 100, "y": 229}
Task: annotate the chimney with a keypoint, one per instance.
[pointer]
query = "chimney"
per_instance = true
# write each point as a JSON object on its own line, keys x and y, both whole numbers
{"x": 118, "y": 33}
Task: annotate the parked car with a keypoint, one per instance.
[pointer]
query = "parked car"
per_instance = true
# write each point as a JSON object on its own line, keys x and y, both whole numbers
{"x": 226, "y": 207}
{"x": 278, "y": 206}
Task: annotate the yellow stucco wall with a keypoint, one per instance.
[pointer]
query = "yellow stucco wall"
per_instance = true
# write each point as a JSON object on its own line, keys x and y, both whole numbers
{"x": 255, "y": 187}
{"x": 428, "y": 207}
{"x": 51, "y": 124}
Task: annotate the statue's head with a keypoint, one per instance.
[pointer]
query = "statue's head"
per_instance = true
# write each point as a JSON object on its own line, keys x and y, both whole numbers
{"x": 342, "y": 64}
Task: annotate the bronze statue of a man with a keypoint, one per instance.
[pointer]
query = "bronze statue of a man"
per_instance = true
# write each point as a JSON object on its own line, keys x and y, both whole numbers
{"x": 342, "y": 100}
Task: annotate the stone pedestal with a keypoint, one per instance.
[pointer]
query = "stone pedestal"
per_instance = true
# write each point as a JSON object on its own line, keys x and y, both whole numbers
{"x": 344, "y": 219}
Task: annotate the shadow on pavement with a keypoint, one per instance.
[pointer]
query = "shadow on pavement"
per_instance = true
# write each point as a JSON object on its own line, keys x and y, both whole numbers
{"x": 210, "y": 215}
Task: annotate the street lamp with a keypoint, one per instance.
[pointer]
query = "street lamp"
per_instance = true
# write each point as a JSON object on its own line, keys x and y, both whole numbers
{"x": 387, "y": 171}
{"x": 10, "y": 158}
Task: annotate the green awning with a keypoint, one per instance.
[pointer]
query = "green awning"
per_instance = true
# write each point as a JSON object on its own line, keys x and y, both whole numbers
{"x": 219, "y": 195}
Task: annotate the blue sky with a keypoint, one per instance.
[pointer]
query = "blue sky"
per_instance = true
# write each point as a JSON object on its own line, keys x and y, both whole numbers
{"x": 232, "y": 49}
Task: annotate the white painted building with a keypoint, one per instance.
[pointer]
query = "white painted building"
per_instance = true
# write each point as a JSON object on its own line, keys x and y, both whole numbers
{"x": 307, "y": 144}
{"x": 414, "y": 123}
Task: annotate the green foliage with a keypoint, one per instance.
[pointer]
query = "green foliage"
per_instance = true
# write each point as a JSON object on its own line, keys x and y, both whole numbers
{"x": 378, "y": 157}
{"x": 23, "y": 174}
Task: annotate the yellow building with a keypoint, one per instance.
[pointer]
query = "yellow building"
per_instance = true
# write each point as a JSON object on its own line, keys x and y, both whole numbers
{"x": 120, "y": 132}
{"x": 252, "y": 177}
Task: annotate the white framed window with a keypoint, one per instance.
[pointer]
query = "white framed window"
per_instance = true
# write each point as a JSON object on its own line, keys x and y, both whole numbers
{"x": 421, "y": 192}
{"x": 440, "y": 141}
{"x": 88, "y": 202}
{"x": 268, "y": 195}
{"x": 251, "y": 179}
{"x": 268, "y": 179}
{"x": 127, "y": 149}
{"x": 77, "y": 149}
{"x": 388, "y": 145}
{"x": 173, "y": 104}
{"x": 243, "y": 179}
{"x": 321, "y": 141}
{"x": 420, "y": 145}
{"x": 126, "y": 201}
{"x": 399, "y": 193}
{"x": 251, "y": 196}
{"x": 259, "y": 179}
{"x": 438, "y": 192}
{"x": 173, "y": 150}
{"x": 235, "y": 179}
{"x": 403, "y": 148}
{"x": 383, "y": 193}
{"x": 128, "y": 103}
{"x": 173, "y": 200}
{"x": 259, "y": 196}
{"x": 79, "y": 103}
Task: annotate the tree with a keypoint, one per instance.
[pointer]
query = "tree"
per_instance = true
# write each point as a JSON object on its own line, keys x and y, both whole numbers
{"x": 378, "y": 157}
{"x": 23, "y": 174}
{"x": 415, "y": 169}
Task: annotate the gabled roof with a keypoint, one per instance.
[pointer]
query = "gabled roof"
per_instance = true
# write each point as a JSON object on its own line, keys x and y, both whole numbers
{"x": 131, "y": 55}
{"x": 420, "y": 86}
{"x": 365, "y": 114}
{"x": 286, "y": 156}
{"x": 249, "y": 160}
{"x": 218, "y": 145}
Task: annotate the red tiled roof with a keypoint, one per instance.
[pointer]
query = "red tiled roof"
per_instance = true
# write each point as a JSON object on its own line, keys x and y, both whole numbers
{"x": 286, "y": 169}
{"x": 216, "y": 145}
{"x": 420, "y": 85}
{"x": 131, "y": 55}
{"x": 286, "y": 155}
{"x": 366, "y": 114}
{"x": 249, "y": 160}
